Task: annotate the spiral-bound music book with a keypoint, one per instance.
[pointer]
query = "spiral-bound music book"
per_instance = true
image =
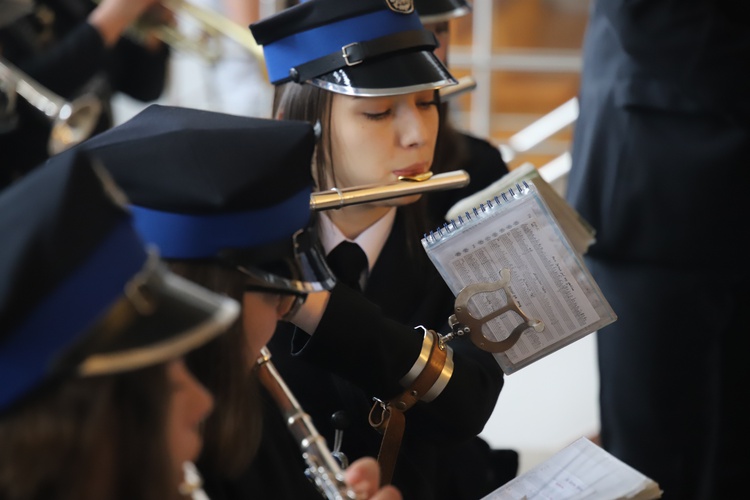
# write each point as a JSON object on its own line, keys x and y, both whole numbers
{"x": 549, "y": 281}
{"x": 577, "y": 229}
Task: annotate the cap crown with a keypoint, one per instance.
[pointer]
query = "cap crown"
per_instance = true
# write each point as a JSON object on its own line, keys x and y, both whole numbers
{"x": 363, "y": 47}
{"x": 194, "y": 178}
{"x": 193, "y": 161}
{"x": 51, "y": 223}
{"x": 213, "y": 186}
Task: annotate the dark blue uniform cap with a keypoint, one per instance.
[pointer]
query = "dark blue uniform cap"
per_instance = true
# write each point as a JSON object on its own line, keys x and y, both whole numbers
{"x": 362, "y": 47}
{"x": 204, "y": 185}
{"x": 80, "y": 295}
{"x": 436, "y": 11}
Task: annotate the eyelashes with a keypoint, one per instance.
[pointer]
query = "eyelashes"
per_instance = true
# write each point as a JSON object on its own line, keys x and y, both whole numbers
{"x": 378, "y": 116}
{"x": 389, "y": 112}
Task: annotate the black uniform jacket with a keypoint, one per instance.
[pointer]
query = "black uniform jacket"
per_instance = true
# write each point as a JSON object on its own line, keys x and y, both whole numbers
{"x": 365, "y": 344}
{"x": 672, "y": 59}
{"x": 360, "y": 351}
{"x": 660, "y": 169}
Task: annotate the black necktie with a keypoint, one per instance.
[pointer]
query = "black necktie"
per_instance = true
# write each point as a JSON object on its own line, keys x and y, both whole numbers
{"x": 347, "y": 261}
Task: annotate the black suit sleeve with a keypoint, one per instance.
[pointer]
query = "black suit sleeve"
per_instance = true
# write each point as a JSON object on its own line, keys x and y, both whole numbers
{"x": 357, "y": 342}
{"x": 139, "y": 72}
{"x": 70, "y": 63}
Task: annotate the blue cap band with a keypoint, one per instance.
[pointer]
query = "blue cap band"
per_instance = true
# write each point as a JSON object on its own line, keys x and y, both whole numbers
{"x": 28, "y": 353}
{"x": 184, "y": 236}
{"x": 289, "y": 52}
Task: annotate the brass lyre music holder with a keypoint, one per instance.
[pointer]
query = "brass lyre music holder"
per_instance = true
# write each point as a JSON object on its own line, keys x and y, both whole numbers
{"x": 464, "y": 323}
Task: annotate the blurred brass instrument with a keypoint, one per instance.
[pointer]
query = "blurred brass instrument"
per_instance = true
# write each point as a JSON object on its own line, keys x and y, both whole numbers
{"x": 323, "y": 469}
{"x": 465, "y": 84}
{"x": 72, "y": 122}
{"x": 206, "y": 43}
{"x": 337, "y": 198}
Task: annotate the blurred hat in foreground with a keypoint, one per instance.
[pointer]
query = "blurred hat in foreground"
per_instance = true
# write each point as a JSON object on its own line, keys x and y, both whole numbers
{"x": 362, "y": 47}
{"x": 436, "y": 11}
{"x": 80, "y": 295}
{"x": 204, "y": 185}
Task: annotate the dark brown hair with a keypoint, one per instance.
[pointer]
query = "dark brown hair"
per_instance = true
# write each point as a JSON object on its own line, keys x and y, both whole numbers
{"x": 451, "y": 150}
{"x": 232, "y": 432}
{"x": 88, "y": 439}
{"x": 313, "y": 105}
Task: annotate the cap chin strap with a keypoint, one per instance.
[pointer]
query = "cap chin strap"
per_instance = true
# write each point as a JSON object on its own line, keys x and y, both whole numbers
{"x": 299, "y": 301}
{"x": 356, "y": 53}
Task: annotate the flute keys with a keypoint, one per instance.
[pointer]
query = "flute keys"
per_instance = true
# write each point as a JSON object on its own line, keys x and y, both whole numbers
{"x": 340, "y": 421}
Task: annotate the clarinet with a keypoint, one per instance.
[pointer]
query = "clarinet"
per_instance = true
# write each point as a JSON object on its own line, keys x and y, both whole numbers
{"x": 322, "y": 468}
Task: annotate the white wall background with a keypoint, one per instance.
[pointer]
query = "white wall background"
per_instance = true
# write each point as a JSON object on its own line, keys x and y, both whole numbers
{"x": 548, "y": 404}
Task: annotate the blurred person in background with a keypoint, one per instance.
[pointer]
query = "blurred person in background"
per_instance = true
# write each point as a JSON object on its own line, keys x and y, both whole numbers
{"x": 236, "y": 83}
{"x": 659, "y": 168}
{"x": 75, "y": 48}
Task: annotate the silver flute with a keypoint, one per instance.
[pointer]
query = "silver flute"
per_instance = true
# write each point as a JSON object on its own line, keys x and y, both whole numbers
{"x": 405, "y": 186}
{"x": 323, "y": 469}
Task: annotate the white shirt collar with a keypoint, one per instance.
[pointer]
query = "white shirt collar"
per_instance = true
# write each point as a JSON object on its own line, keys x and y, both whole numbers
{"x": 372, "y": 240}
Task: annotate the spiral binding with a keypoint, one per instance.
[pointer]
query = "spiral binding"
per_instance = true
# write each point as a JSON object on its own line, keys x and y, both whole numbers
{"x": 448, "y": 227}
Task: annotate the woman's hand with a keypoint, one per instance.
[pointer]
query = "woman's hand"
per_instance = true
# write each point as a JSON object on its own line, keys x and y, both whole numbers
{"x": 363, "y": 476}
{"x": 112, "y": 17}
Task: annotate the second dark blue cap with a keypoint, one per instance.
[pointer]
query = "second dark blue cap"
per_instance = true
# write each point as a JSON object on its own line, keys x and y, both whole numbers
{"x": 204, "y": 185}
